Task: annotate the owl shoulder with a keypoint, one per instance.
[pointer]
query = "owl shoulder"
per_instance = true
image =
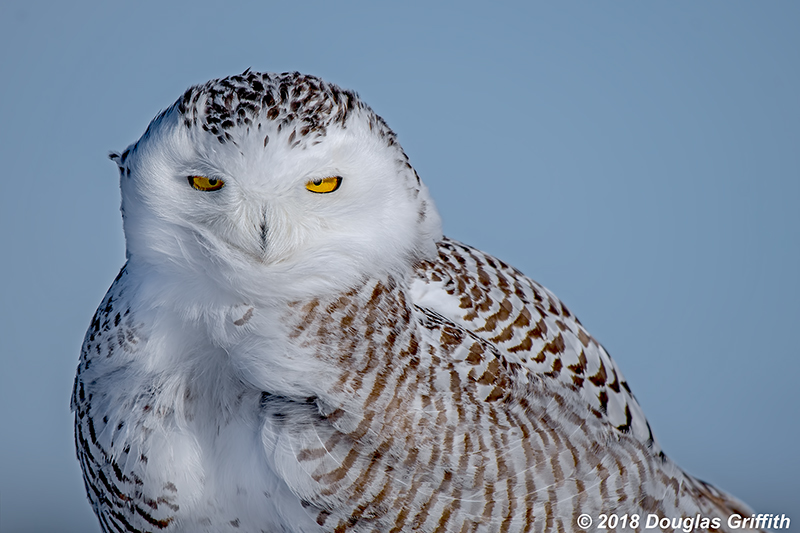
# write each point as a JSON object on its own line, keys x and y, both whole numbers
{"x": 530, "y": 328}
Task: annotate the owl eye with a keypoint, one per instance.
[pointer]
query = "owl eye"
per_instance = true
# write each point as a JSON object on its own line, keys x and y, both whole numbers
{"x": 201, "y": 183}
{"x": 323, "y": 185}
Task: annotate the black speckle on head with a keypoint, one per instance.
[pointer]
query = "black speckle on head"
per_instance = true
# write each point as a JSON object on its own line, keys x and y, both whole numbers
{"x": 306, "y": 104}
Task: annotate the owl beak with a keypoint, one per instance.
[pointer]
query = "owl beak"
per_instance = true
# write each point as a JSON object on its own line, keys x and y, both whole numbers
{"x": 263, "y": 234}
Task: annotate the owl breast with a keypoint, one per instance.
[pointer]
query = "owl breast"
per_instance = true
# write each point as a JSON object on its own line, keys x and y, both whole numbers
{"x": 177, "y": 446}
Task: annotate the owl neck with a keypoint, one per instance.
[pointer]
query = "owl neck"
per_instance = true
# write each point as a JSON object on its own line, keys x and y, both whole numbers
{"x": 311, "y": 347}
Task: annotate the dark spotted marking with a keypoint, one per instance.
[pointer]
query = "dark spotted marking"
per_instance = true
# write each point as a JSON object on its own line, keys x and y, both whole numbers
{"x": 245, "y": 318}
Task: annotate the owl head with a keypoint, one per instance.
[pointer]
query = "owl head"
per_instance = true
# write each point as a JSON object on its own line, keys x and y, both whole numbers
{"x": 262, "y": 185}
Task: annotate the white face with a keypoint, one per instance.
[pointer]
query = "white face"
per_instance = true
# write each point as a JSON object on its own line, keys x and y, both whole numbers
{"x": 263, "y": 229}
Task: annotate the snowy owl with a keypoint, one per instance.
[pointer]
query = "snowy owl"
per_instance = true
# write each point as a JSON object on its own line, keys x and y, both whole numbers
{"x": 293, "y": 345}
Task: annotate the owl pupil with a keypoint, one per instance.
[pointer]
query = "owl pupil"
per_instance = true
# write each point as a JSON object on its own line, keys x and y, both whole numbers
{"x": 318, "y": 181}
{"x": 212, "y": 182}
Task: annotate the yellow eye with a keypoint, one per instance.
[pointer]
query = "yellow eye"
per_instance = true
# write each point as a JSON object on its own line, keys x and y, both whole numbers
{"x": 323, "y": 185}
{"x": 201, "y": 183}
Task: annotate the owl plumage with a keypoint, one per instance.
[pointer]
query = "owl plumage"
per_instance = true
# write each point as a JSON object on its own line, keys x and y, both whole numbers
{"x": 282, "y": 355}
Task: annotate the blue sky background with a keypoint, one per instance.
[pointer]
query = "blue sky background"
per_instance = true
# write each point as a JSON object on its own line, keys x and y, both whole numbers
{"x": 640, "y": 159}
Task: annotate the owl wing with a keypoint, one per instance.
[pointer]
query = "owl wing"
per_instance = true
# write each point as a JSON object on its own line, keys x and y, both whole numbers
{"x": 564, "y": 379}
{"x": 108, "y": 448}
{"x": 529, "y": 326}
{"x": 443, "y": 428}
